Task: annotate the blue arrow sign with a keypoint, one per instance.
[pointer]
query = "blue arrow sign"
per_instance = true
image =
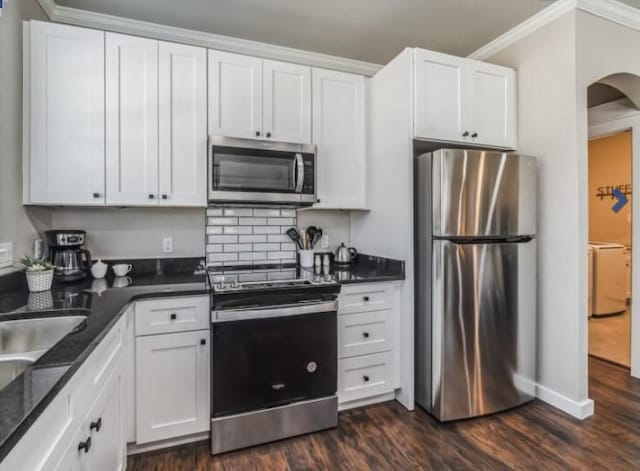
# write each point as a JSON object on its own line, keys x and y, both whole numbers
{"x": 622, "y": 200}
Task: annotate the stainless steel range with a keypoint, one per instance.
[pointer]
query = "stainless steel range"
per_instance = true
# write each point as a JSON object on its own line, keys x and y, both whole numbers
{"x": 274, "y": 354}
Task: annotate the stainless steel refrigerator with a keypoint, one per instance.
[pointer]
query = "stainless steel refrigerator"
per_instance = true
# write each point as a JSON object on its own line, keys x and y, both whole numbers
{"x": 475, "y": 283}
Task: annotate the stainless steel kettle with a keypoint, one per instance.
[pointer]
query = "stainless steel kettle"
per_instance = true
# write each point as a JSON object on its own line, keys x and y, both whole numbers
{"x": 345, "y": 255}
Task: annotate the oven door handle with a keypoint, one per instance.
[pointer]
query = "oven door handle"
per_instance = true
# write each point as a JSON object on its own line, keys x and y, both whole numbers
{"x": 299, "y": 173}
{"x": 268, "y": 312}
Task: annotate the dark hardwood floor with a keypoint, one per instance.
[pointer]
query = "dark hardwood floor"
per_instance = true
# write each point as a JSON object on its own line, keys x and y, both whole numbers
{"x": 386, "y": 436}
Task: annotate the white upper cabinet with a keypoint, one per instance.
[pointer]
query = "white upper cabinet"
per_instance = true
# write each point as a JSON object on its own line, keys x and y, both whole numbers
{"x": 259, "y": 99}
{"x": 64, "y": 68}
{"x": 439, "y": 96}
{"x": 339, "y": 134}
{"x": 131, "y": 120}
{"x": 492, "y": 101}
{"x": 183, "y": 125}
{"x": 286, "y": 102}
{"x": 235, "y": 95}
{"x": 463, "y": 101}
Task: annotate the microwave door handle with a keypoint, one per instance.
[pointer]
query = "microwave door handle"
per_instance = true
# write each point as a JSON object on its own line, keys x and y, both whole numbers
{"x": 299, "y": 172}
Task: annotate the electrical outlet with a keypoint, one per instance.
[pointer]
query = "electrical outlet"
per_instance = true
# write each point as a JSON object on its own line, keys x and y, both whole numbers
{"x": 167, "y": 244}
{"x": 6, "y": 254}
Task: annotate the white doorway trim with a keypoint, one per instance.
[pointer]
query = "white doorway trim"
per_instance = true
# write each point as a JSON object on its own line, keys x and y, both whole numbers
{"x": 627, "y": 121}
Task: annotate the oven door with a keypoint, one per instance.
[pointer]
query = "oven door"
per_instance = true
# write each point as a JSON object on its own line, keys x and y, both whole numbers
{"x": 271, "y": 360}
{"x": 252, "y": 171}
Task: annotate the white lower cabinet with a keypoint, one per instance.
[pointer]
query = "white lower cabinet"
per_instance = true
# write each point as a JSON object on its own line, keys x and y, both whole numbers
{"x": 99, "y": 443}
{"x": 172, "y": 385}
{"x": 368, "y": 343}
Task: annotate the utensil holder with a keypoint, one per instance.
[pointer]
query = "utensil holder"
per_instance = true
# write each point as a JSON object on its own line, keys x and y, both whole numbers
{"x": 306, "y": 258}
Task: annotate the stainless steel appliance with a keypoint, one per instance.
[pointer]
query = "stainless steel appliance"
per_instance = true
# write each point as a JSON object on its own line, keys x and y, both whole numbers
{"x": 475, "y": 288}
{"x": 345, "y": 255}
{"x": 250, "y": 171}
{"x": 273, "y": 355}
{"x": 72, "y": 262}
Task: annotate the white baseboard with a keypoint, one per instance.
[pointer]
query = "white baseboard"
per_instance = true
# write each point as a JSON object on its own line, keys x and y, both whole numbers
{"x": 134, "y": 449}
{"x": 578, "y": 409}
{"x": 366, "y": 402}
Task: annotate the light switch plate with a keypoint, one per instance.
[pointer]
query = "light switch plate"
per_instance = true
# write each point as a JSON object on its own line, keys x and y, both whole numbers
{"x": 6, "y": 254}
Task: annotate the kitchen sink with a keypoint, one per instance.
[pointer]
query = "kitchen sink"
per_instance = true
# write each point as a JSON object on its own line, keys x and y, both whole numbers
{"x": 28, "y": 339}
{"x": 11, "y": 369}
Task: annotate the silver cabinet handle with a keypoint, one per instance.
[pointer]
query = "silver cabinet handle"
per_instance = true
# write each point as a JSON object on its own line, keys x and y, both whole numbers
{"x": 300, "y": 173}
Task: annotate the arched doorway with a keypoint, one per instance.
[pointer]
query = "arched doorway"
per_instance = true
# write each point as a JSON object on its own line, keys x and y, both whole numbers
{"x": 614, "y": 147}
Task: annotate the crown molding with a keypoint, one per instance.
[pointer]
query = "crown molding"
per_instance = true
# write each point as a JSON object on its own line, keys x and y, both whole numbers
{"x": 119, "y": 24}
{"x": 611, "y": 10}
{"x": 524, "y": 29}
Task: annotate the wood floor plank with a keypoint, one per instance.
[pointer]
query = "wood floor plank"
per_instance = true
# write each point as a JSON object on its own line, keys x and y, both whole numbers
{"x": 388, "y": 437}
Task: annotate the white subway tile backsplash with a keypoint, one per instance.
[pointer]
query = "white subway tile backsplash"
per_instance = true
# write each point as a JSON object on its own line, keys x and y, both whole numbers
{"x": 252, "y": 239}
{"x": 217, "y": 221}
{"x": 267, "y": 212}
{"x": 252, "y": 256}
{"x": 281, "y": 255}
{"x": 238, "y": 212}
{"x": 245, "y": 235}
{"x": 266, "y": 247}
{"x": 267, "y": 230}
{"x": 214, "y": 230}
{"x": 278, "y": 238}
{"x": 223, "y": 239}
{"x": 238, "y": 230}
{"x": 222, "y": 257}
{"x": 281, "y": 221}
{"x": 238, "y": 247}
{"x": 252, "y": 221}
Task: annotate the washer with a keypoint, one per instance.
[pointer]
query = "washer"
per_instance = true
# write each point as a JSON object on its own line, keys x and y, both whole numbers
{"x": 609, "y": 278}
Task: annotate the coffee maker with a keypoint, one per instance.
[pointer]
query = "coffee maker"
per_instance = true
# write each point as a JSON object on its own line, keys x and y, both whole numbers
{"x": 72, "y": 262}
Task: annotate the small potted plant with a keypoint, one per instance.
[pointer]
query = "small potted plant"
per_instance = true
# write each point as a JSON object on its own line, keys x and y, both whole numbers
{"x": 39, "y": 273}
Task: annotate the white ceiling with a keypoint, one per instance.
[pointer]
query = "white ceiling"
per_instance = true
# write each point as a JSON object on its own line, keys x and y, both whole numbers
{"x": 367, "y": 30}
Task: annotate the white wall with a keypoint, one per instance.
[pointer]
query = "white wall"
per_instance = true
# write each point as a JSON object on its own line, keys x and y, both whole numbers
{"x": 605, "y": 48}
{"x": 334, "y": 224}
{"x": 18, "y": 224}
{"x": 136, "y": 232}
{"x": 547, "y": 120}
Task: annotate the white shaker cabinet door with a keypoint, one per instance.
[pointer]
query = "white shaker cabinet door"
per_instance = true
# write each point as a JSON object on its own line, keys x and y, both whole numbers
{"x": 172, "y": 385}
{"x": 439, "y": 97}
{"x": 183, "y": 125}
{"x": 339, "y": 134}
{"x": 66, "y": 112}
{"x": 235, "y": 95}
{"x": 287, "y": 102}
{"x": 132, "y": 120}
{"x": 492, "y": 104}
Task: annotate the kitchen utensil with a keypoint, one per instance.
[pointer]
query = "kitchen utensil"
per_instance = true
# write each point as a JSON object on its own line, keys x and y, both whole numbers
{"x": 122, "y": 269}
{"x": 316, "y": 238}
{"x": 295, "y": 236}
{"x": 345, "y": 255}
{"x": 311, "y": 232}
{"x": 303, "y": 237}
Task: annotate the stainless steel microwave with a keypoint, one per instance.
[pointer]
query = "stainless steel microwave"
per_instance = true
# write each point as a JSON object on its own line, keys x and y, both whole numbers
{"x": 252, "y": 171}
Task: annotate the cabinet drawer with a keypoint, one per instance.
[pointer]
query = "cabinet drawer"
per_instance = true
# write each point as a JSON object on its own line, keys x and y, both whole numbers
{"x": 364, "y": 333}
{"x": 161, "y": 316}
{"x": 98, "y": 367}
{"x": 362, "y": 298}
{"x": 365, "y": 376}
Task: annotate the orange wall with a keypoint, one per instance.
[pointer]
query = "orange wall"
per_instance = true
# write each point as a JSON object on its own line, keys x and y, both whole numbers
{"x": 609, "y": 166}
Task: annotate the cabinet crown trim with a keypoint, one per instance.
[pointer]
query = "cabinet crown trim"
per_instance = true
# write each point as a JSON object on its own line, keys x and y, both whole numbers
{"x": 119, "y": 24}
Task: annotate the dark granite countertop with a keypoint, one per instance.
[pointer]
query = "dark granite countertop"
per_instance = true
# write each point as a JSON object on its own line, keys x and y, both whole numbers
{"x": 366, "y": 269}
{"x": 23, "y": 400}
